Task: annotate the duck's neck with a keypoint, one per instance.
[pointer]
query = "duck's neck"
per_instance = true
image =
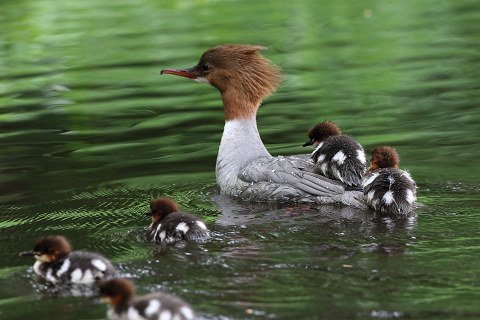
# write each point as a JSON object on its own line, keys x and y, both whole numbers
{"x": 122, "y": 306}
{"x": 241, "y": 142}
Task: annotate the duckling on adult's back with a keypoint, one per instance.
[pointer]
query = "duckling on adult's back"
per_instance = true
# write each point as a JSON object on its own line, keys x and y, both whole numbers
{"x": 387, "y": 188}
{"x": 244, "y": 167}
{"x": 337, "y": 156}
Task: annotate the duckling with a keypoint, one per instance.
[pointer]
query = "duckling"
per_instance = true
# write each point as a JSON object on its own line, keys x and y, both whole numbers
{"x": 337, "y": 156}
{"x": 387, "y": 188}
{"x": 120, "y": 294}
{"x": 170, "y": 225}
{"x": 57, "y": 263}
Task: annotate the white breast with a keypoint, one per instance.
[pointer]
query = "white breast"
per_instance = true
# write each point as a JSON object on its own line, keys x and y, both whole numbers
{"x": 240, "y": 145}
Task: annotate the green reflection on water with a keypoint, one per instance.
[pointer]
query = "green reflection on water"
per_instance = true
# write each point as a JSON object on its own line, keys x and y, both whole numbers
{"x": 90, "y": 132}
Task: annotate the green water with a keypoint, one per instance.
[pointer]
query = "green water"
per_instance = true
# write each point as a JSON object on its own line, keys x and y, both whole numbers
{"x": 89, "y": 132}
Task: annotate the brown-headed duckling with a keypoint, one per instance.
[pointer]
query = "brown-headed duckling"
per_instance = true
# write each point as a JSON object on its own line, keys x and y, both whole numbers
{"x": 337, "y": 156}
{"x": 169, "y": 224}
{"x": 57, "y": 263}
{"x": 124, "y": 304}
{"x": 387, "y": 188}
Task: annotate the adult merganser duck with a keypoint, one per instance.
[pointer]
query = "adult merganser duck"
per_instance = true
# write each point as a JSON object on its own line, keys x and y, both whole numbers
{"x": 57, "y": 263}
{"x": 170, "y": 225}
{"x": 120, "y": 294}
{"x": 244, "y": 167}
{"x": 387, "y": 188}
{"x": 337, "y": 156}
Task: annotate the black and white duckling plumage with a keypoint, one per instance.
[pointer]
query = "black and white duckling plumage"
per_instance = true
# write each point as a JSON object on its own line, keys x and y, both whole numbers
{"x": 170, "y": 225}
{"x": 57, "y": 263}
{"x": 337, "y": 156}
{"x": 387, "y": 188}
{"x": 120, "y": 294}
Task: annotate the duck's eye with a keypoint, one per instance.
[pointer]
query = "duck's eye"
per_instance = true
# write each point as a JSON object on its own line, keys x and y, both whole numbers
{"x": 205, "y": 66}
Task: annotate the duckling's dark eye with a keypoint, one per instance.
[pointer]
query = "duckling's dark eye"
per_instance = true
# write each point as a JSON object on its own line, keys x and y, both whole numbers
{"x": 205, "y": 66}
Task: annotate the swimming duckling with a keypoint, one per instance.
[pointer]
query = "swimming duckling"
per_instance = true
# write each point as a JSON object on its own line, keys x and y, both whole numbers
{"x": 120, "y": 294}
{"x": 57, "y": 263}
{"x": 387, "y": 188}
{"x": 336, "y": 156}
{"x": 170, "y": 225}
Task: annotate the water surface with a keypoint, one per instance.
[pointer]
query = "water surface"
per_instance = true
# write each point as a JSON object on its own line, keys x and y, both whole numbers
{"x": 90, "y": 132}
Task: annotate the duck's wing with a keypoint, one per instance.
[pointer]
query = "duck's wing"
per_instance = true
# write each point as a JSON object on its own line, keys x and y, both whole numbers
{"x": 293, "y": 172}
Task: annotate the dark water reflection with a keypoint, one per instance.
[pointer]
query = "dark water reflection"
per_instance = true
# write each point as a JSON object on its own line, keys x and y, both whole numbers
{"x": 90, "y": 132}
